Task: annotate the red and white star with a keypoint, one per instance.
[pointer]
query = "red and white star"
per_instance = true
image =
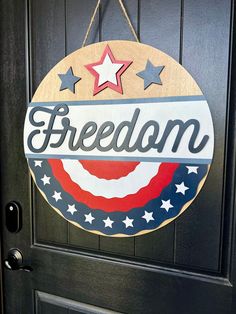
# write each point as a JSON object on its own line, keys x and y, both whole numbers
{"x": 107, "y": 72}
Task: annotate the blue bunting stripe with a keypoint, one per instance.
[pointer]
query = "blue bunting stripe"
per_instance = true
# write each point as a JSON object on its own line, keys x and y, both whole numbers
{"x": 168, "y": 205}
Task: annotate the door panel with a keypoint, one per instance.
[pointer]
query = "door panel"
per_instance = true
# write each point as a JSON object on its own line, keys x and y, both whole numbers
{"x": 204, "y": 20}
{"x": 130, "y": 287}
{"x": 47, "y": 47}
{"x": 186, "y": 265}
{"x": 50, "y": 304}
{"x": 179, "y": 242}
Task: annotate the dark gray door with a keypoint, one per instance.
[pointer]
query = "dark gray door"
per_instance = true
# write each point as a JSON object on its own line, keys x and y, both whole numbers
{"x": 185, "y": 267}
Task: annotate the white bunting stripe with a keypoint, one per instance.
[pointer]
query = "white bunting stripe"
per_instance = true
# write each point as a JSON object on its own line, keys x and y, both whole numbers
{"x": 129, "y": 184}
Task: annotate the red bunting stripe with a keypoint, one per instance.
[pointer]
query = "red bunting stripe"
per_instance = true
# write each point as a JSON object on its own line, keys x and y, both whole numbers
{"x": 144, "y": 195}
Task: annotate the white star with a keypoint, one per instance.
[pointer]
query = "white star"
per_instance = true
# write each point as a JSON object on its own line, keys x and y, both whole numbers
{"x": 71, "y": 209}
{"x": 38, "y": 163}
{"x": 148, "y": 216}
{"x": 128, "y": 222}
{"x": 181, "y": 188}
{"x": 166, "y": 205}
{"x": 192, "y": 169}
{"x": 89, "y": 218}
{"x": 57, "y": 196}
{"x": 108, "y": 222}
{"x": 107, "y": 71}
{"x": 46, "y": 180}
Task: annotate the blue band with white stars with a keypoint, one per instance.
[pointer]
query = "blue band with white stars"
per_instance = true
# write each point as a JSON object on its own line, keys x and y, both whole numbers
{"x": 182, "y": 189}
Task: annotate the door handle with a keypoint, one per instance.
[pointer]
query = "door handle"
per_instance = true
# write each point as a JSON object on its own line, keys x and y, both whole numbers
{"x": 14, "y": 261}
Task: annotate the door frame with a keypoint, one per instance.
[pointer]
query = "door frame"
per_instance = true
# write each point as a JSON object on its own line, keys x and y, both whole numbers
{"x": 230, "y": 161}
{"x": 1, "y": 273}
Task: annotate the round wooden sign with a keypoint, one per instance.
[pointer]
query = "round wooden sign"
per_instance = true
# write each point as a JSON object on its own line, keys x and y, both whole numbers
{"x": 119, "y": 138}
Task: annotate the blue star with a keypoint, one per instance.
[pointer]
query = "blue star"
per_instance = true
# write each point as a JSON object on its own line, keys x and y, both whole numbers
{"x": 68, "y": 80}
{"x": 151, "y": 74}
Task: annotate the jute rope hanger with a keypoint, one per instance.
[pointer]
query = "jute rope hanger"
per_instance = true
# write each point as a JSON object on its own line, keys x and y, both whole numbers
{"x": 123, "y": 9}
